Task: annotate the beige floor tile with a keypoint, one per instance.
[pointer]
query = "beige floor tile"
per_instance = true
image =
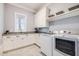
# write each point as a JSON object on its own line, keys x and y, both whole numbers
{"x": 28, "y": 51}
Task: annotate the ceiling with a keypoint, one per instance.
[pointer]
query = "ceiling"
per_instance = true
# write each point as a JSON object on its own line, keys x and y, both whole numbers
{"x": 34, "y": 7}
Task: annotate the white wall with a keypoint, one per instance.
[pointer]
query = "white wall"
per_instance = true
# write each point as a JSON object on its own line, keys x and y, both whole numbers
{"x": 1, "y": 25}
{"x": 1, "y": 17}
{"x": 10, "y": 18}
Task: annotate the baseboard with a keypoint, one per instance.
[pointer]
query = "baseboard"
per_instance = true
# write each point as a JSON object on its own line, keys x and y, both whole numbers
{"x": 37, "y": 45}
{"x": 21, "y": 48}
{"x": 43, "y": 54}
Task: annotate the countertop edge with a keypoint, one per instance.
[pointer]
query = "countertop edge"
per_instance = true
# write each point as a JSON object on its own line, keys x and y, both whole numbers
{"x": 23, "y": 33}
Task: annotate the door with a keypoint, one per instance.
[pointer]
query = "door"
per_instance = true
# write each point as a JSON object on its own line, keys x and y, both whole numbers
{"x": 65, "y": 46}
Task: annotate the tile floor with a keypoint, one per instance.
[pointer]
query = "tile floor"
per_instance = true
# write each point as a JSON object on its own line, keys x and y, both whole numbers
{"x": 28, "y": 51}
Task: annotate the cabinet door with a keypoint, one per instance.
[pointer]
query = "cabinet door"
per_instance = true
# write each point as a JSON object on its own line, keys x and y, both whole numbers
{"x": 20, "y": 41}
{"x": 65, "y": 15}
{"x": 1, "y": 45}
{"x": 46, "y": 44}
{"x": 37, "y": 39}
{"x": 41, "y": 18}
{"x": 24, "y": 40}
{"x": 8, "y": 43}
{"x": 5, "y": 44}
{"x": 31, "y": 38}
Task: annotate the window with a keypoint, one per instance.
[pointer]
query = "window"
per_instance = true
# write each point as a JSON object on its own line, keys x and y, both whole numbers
{"x": 20, "y": 22}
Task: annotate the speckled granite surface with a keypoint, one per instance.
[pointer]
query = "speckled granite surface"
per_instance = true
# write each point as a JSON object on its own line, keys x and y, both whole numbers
{"x": 24, "y": 33}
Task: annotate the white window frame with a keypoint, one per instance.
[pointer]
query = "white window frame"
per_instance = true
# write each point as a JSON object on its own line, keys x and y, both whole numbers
{"x": 17, "y": 13}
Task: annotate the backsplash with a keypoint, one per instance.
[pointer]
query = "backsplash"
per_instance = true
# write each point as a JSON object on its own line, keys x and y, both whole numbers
{"x": 70, "y": 24}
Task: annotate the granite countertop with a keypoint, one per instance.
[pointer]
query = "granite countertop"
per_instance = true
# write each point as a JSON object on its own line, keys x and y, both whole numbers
{"x": 23, "y": 33}
{"x": 17, "y": 33}
{"x": 51, "y": 34}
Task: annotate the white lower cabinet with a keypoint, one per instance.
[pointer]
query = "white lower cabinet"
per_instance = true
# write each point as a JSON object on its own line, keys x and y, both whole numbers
{"x": 21, "y": 40}
{"x": 15, "y": 41}
{"x": 1, "y": 47}
{"x": 31, "y": 38}
{"x": 8, "y": 42}
{"x": 37, "y": 39}
{"x": 46, "y": 44}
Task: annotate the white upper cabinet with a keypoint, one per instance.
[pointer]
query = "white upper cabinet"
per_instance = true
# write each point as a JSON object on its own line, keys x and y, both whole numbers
{"x": 61, "y": 10}
{"x": 65, "y": 15}
{"x": 41, "y": 17}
